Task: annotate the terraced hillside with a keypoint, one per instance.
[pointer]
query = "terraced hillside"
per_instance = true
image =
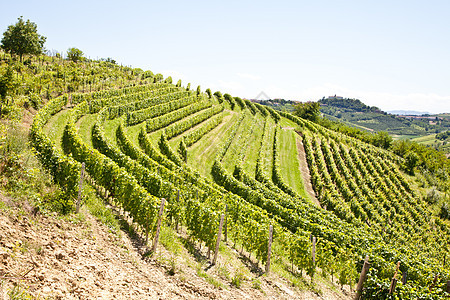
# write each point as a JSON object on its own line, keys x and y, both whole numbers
{"x": 209, "y": 155}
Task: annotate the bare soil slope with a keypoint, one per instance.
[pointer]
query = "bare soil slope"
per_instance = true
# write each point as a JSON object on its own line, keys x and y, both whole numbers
{"x": 76, "y": 257}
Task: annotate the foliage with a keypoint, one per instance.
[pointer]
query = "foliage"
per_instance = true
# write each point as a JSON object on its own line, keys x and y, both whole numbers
{"x": 445, "y": 211}
{"x": 443, "y": 135}
{"x": 209, "y": 93}
{"x": 230, "y": 100}
{"x": 219, "y": 96}
{"x": 308, "y": 110}
{"x": 182, "y": 151}
{"x": 7, "y": 84}
{"x": 22, "y": 38}
{"x": 368, "y": 205}
{"x": 382, "y": 139}
{"x": 75, "y": 54}
{"x": 411, "y": 160}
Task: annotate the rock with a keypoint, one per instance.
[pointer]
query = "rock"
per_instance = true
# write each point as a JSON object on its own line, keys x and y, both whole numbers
{"x": 4, "y": 255}
{"x": 60, "y": 255}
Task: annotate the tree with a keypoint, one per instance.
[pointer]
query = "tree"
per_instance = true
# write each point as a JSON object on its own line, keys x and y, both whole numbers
{"x": 382, "y": 139}
{"x": 308, "y": 110}
{"x": 75, "y": 54}
{"x": 411, "y": 161}
{"x": 22, "y": 38}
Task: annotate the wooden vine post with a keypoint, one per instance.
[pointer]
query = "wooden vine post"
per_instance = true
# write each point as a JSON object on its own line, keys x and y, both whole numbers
{"x": 448, "y": 286}
{"x": 218, "y": 239}
{"x": 404, "y": 277}
{"x": 158, "y": 227}
{"x": 226, "y": 227}
{"x": 178, "y": 203}
{"x": 362, "y": 278}
{"x": 435, "y": 280}
{"x": 394, "y": 280}
{"x": 80, "y": 188}
{"x": 313, "y": 252}
{"x": 269, "y": 249}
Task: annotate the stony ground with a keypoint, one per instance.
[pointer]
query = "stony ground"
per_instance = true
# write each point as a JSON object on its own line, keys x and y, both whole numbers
{"x": 76, "y": 257}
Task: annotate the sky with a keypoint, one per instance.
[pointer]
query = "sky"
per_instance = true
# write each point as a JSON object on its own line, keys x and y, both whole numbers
{"x": 390, "y": 54}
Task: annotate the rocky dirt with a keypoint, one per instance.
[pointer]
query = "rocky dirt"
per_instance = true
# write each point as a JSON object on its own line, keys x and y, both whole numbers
{"x": 76, "y": 257}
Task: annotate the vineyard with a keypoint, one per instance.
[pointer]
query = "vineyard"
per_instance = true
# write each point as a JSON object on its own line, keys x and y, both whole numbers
{"x": 212, "y": 154}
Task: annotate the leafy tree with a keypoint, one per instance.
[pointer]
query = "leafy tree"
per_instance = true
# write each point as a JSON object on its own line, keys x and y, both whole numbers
{"x": 198, "y": 91}
{"x": 411, "y": 161}
{"x": 382, "y": 139}
{"x": 169, "y": 79}
{"x": 178, "y": 83}
{"x": 188, "y": 87}
{"x": 23, "y": 38}
{"x": 308, "y": 110}
{"x": 75, "y": 54}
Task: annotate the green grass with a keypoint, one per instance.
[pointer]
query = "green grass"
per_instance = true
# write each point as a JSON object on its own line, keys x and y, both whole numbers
{"x": 201, "y": 155}
{"x": 268, "y": 148}
{"x": 132, "y": 133}
{"x": 231, "y": 156}
{"x": 85, "y": 125}
{"x": 254, "y": 145}
{"x": 54, "y": 128}
{"x": 426, "y": 140}
{"x": 174, "y": 142}
{"x": 290, "y": 166}
{"x": 97, "y": 208}
{"x": 110, "y": 127}
{"x": 154, "y": 137}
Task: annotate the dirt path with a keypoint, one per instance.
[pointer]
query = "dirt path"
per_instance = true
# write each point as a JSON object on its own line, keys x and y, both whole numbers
{"x": 305, "y": 172}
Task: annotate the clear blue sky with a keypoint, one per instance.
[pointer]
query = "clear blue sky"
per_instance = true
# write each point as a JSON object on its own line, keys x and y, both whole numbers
{"x": 391, "y": 54}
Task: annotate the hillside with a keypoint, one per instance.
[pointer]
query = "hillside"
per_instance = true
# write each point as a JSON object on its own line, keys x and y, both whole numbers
{"x": 356, "y": 113}
{"x": 212, "y": 155}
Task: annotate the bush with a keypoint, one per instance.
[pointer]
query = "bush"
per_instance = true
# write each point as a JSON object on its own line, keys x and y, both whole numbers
{"x": 445, "y": 211}
{"x": 60, "y": 202}
{"x": 433, "y": 196}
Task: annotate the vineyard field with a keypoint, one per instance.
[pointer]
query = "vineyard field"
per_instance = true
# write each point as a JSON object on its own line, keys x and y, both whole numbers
{"x": 209, "y": 155}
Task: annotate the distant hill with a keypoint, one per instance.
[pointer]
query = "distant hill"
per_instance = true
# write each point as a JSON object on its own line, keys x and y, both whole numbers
{"x": 408, "y": 112}
{"x": 353, "y": 112}
{"x": 404, "y": 124}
